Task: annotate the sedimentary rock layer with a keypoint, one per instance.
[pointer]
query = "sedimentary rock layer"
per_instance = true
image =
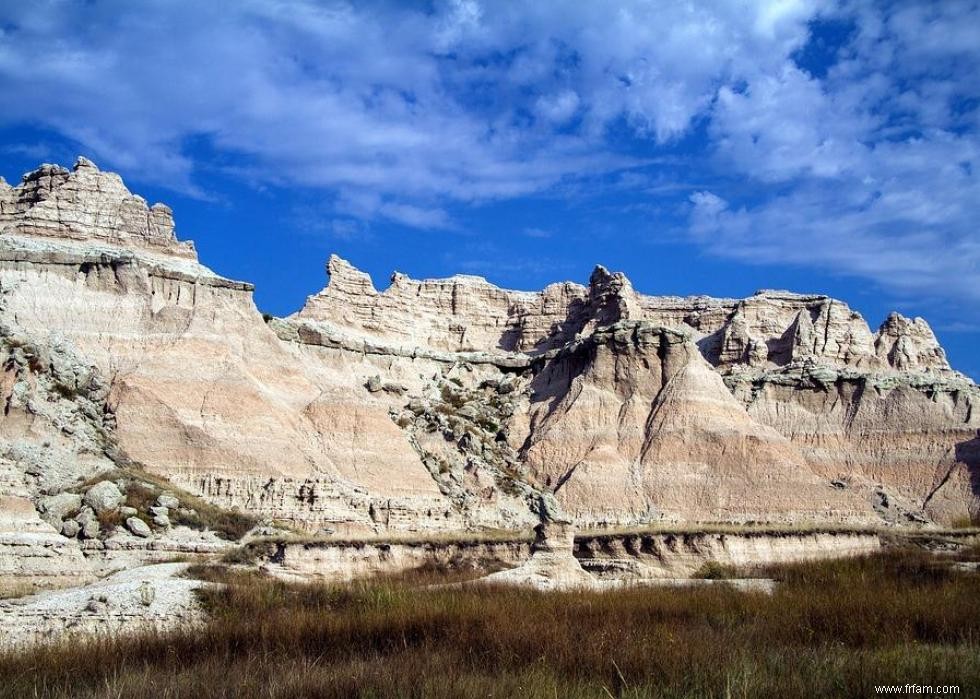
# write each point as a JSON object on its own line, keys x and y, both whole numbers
{"x": 453, "y": 404}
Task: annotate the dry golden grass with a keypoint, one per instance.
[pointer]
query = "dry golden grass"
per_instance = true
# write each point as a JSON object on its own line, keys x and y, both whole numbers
{"x": 11, "y": 590}
{"x": 831, "y": 629}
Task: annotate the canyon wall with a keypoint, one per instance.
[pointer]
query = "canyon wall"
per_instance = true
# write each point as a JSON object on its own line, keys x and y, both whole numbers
{"x": 451, "y": 404}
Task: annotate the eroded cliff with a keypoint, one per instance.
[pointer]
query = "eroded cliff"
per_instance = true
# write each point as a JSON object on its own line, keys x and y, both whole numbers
{"x": 452, "y": 404}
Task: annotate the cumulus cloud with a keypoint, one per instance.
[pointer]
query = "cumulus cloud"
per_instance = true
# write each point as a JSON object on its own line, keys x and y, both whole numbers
{"x": 557, "y": 108}
{"x": 865, "y": 164}
{"x": 465, "y": 101}
{"x": 869, "y": 170}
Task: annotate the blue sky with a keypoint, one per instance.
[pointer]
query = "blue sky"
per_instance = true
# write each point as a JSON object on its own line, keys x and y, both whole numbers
{"x": 711, "y": 147}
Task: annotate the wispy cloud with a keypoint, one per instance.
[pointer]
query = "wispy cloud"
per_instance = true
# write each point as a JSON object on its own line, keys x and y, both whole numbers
{"x": 417, "y": 107}
{"x": 866, "y": 165}
{"x": 868, "y": 171}
{"x": 534, "y": 232}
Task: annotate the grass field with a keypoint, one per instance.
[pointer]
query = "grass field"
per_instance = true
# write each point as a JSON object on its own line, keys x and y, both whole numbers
{"x": 831, "y": 629}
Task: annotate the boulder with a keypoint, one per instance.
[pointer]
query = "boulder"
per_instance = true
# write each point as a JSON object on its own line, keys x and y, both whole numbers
{"x": 147, "y": 593}
{"x": 55, "y": 508}
{"x": 91, "y": 529}
{"x": 98, "y": 604}
{"x": 103, "y": 497}
{"x": 70, "y": 528}
{"x": 138, "y": 527}
{"x": 167, "y": 500}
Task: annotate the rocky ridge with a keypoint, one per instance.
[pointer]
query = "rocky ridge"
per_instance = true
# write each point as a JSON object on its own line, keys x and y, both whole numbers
{"x": 452, "y": 404}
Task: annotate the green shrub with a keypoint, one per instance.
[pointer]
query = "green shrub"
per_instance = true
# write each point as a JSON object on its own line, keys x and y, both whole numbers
{"x": 713, "y": 570}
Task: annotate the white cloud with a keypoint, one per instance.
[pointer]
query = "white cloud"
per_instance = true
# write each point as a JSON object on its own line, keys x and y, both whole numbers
{"x": 559, "y": 107}
{"x": 784, "y": 126}
{"x": 403, "y": 112}
{"x": 869, "y": 171}
{"x": 460, "y": 102}
{"x": 894, "y": 227}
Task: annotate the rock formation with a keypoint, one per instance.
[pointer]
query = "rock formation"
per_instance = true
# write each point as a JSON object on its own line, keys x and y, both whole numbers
{"x": 552, "y": 564}
{"x": 451, "y": 404}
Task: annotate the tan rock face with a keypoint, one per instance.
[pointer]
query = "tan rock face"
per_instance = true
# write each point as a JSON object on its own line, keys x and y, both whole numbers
{"x": 633, "y": 425}
{"x": 200, "y": 390}
{"x": 909, "y": 344}
{"x": 459, "y": 314}
{"x": 452, "y": 404}
{"x": 87, "y": 204}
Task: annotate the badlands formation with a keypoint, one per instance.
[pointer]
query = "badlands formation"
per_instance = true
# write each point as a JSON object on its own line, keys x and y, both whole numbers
{"x": 444, "y": 405}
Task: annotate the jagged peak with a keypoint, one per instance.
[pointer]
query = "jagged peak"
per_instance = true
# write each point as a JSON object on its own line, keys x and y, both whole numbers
{"x": 464, "y": 279}
{"x": 88, "y": 204}
{"x": 45, "y": 170}
{"x": 769, "y": 328}
{"x": 898, "y": 323}
{"x": 48, "y": 169}
{"x": 909, "y": 344}
{"x": 602, "y": 282}
{"x": 599, "y": 273}
{"x": 344, "y": 272}
{"x": 783, "y": 294}
{"x": 337, "y": 264}
{"x": 603, "y": 277}
{"x": 400, "y": 278}
{"x": 84, "y": 163}
{"x": 897, "y": 320}
{"x": 347, "y": 278}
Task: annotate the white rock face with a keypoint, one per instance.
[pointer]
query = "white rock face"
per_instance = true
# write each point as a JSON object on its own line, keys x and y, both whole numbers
{"x": 103, "y": 497}
{"x": 446, "y": 405}
{"x": 128, "y": 602}
{"x": 909, "y": 344}
{"x": 87, "y": 204}
{"x": 145, "y": 313}
{"x": 33, "y": 554}
{"x": 138, "y": 527}
{"x": 54, "y": 508}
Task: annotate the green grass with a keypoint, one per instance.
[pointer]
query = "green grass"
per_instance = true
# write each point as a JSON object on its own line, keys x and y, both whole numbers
{"x": 831, "y": 629}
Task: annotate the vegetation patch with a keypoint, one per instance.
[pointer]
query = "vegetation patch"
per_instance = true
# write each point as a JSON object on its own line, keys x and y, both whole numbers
{"x": 230, "y": 524}
{"x": 712, "y": 570}
{"x": 831, "y": 629}
{"x": 475, "y": 538}
{"x": 747, "y": 529}
{"x": 142, "y": 490}
{"x": 966, "y": 522}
